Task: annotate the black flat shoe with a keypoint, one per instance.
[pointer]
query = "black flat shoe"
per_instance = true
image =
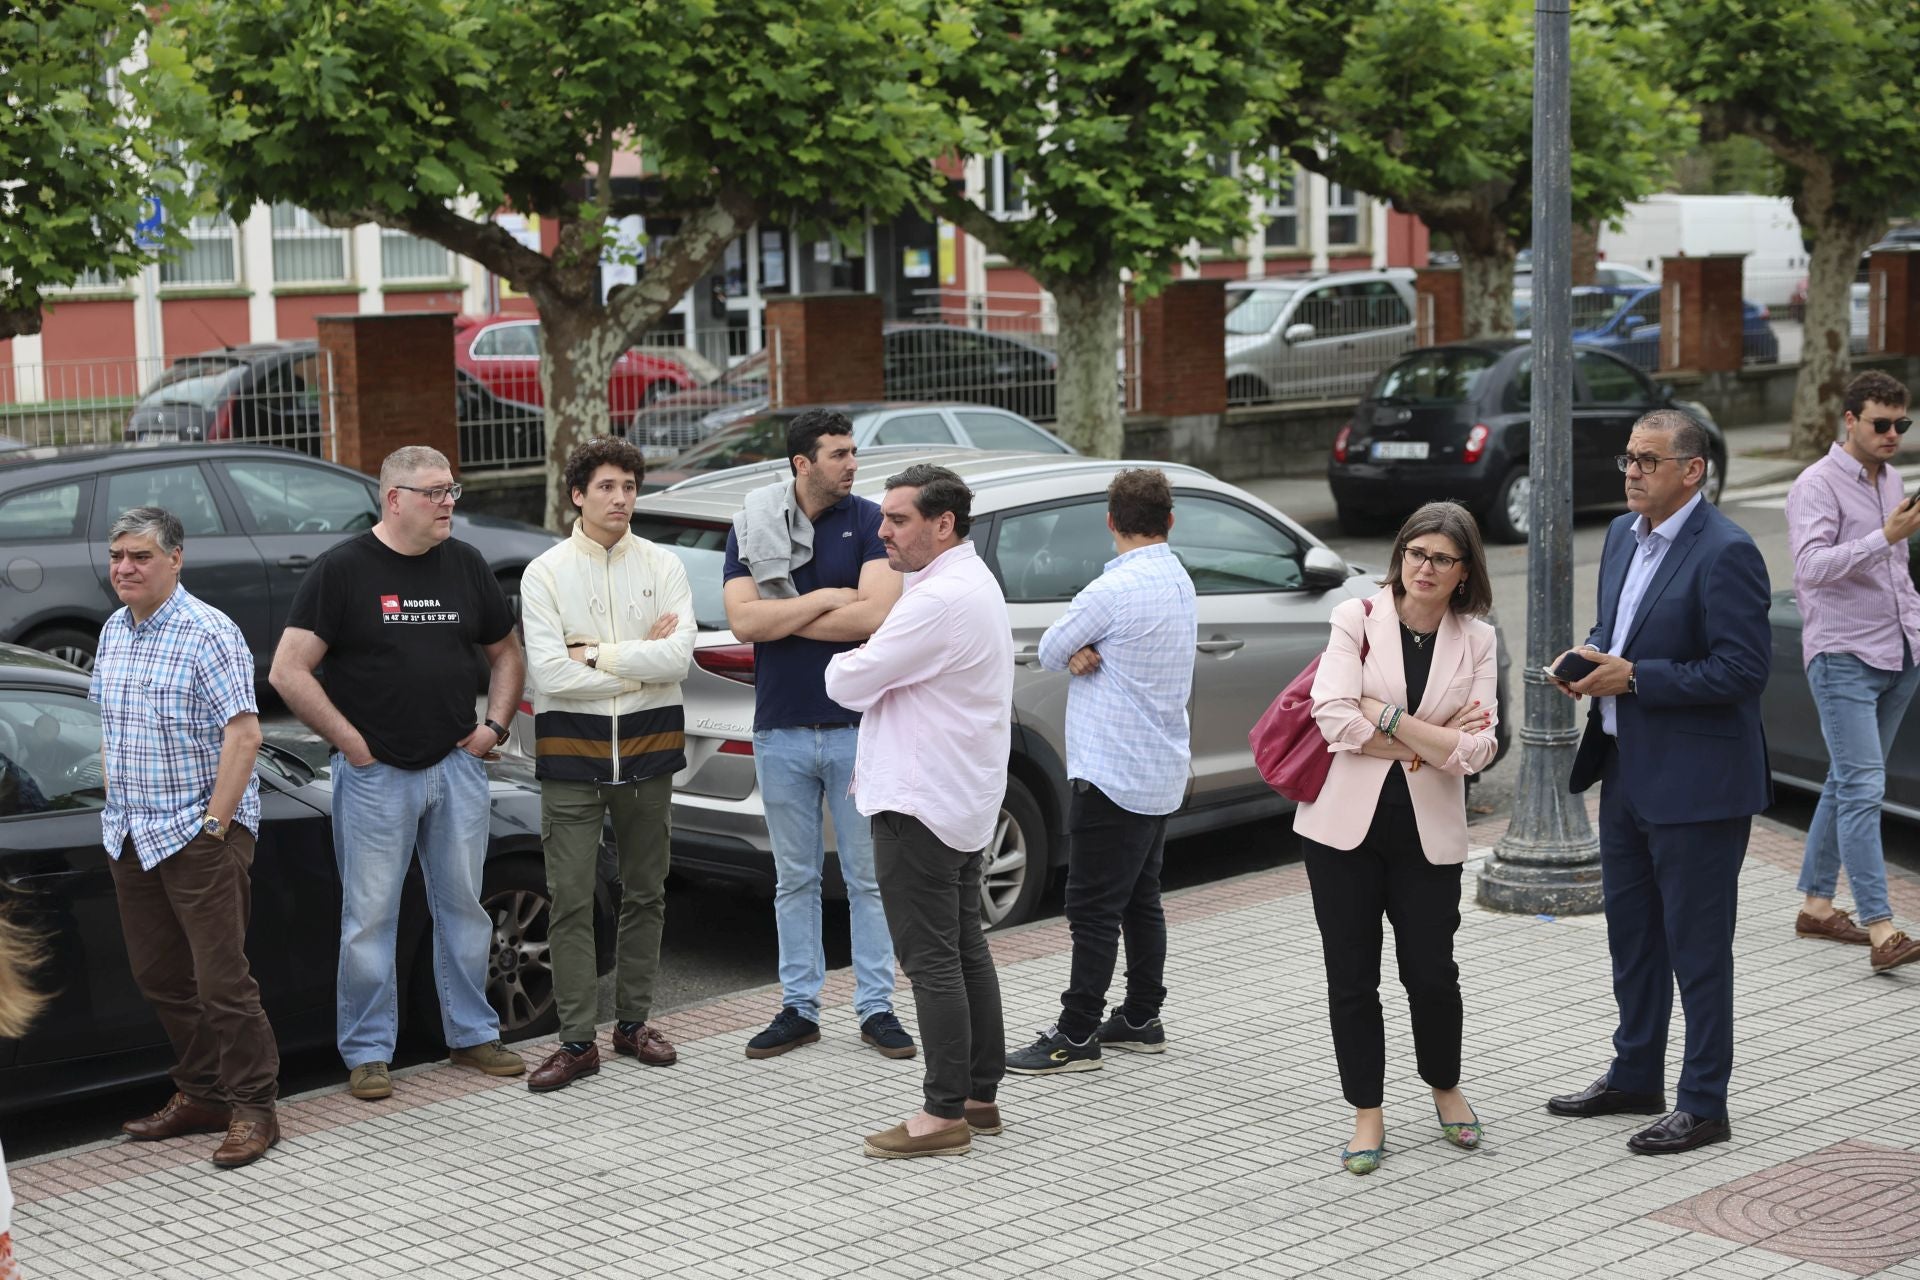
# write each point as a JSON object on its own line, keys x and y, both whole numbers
{"x": 1680, "y": 1131}
{"x": 1601, "y": 1099}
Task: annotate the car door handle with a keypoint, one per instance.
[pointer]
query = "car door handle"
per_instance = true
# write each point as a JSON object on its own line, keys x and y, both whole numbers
{"x": 1029, "y": 657}
{"x": 1219, "y": 646}
{"x": 295, "y": 563}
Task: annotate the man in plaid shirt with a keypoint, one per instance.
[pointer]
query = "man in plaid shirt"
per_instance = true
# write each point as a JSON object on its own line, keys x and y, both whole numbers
{"x": 1127, "y": 640}
{"x": 179, "y": 731}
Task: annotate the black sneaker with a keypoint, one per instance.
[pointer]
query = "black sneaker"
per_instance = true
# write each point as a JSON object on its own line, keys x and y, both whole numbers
{"x": 884, "y": 1032}
{"x": 1117, "y": 1033}
{"x": 1053, "y": 1052}
{"x": 788, "y": 1031}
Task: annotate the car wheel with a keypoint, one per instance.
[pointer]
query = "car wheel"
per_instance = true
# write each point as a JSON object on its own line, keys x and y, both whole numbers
{"x": 1508, "y": 514}
{"x": 1245, "y": 389}
{"x": 519, "y": 961}
{"x": 68, "y": 644}
{"x": 1016, "y": 866}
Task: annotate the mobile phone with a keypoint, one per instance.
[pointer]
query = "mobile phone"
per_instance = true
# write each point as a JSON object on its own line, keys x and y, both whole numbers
{"x": 1573, "y": 666}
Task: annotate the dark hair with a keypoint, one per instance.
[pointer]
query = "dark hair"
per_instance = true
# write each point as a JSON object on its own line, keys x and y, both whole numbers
{"x": 1141, "y": 502}
{"x": 805, "y": 429}
{"x": 1455, "y": 523}
{"x": 602, "y": 451}
{"x": 1689, "y": 437}
{"x": 1876, "y": 385}
{"x": 941, "y": 491}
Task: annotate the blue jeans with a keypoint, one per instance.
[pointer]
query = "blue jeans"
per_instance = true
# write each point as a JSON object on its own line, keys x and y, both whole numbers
{"x": 798, "y": 768}
{"x": 380, "y": 815}
{"x": 1860, "y": 711}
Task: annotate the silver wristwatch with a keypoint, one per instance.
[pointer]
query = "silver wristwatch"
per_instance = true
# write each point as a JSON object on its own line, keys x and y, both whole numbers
{"x": 592, "y": 656}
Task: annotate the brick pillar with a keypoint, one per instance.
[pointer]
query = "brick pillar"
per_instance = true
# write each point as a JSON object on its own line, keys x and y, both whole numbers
{"x": 826, "y": 348}
{"x": 1183, "y": 350}
{"x": 1439, "y": 308}
{"x": 1893, "y": 301}
{"x": 1700, "y": 313}
{"x": 392, "y": 385}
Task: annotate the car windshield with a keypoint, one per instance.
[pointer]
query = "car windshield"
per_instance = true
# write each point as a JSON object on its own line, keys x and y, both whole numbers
{"x": 199, "y": 384}
{"x": 1440, "y": 376}
{"x": 702, "y": 548}
{"x": 738, "y": 445}
{"x": 1255, "y": 310}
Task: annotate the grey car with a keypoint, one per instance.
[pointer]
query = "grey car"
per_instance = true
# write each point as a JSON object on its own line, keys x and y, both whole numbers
{"x": 1315, "y": 337}
{"x": 1265, "y": 588}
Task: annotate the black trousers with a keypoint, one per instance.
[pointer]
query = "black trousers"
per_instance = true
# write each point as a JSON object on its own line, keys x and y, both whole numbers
{"x": 932, "y": 896}
{"x": 1352, "y": 888}
{"x": 1113, "y": 892}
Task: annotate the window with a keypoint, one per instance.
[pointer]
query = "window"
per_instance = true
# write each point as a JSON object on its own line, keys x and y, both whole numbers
{"x": 210, "y": 258}
{"x": 1006, "y": 190}
{"x": 1343, "y": 214}
{"x": 1281, "y": 209}
{"x": 773, "y": 260}
{"x": 1255, "y": 310}
{"x": 1646, "y": 310}
{"x": 1051, "y": 553}
{"x": 702, "y": 551}
{"x": 282, "y": 497}
{"x": 50, "y": 512}
{"x": 408, "y": 257}
{"x": 182, "y": 490}
{"x": 1229, "y": 549}
{"x": 49, "y": 753}
{"x": 1437, "y": 376}
{"x": 1609, "y": 381}
{"x": 95, "y": 278}
{"x": 914, "y": 428}
{"x": 508, "y": 342}
{"x": 306, "y": 250}
{"x": 1004, "y": 431}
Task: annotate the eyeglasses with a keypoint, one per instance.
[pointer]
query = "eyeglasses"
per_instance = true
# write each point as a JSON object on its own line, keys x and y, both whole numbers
{"x": 438, "y": 494}
{"x": 1648, "y": 462}
{"x": 1441, "y": 563}
{"x": 1882, "y": 425}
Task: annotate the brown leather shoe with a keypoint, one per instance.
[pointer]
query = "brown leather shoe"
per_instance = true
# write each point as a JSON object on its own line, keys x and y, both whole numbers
{"x": 983, "y": 1118}
{"x": 1897, "y": 950}
{"x": 897, "y": 1144}
{"x": 562, "y": 1069}
{"x": 247, "y": 1141}
{"x": 1837, "y": 927}
{"x": 181, "y": 1115}
{"x": 646, "y": 1044}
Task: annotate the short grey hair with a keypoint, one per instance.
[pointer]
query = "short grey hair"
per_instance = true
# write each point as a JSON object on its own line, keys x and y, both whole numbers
{"x": 1689, "y": 437}
{"x": 157, "y": 523}
{"x": 407, "y": 460}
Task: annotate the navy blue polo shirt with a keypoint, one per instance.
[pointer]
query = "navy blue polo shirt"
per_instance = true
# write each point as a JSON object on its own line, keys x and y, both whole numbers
{"x": 790, "y": 675}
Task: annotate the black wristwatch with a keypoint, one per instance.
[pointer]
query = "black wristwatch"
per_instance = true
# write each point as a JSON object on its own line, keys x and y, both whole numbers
{"x": 499, "y": 731}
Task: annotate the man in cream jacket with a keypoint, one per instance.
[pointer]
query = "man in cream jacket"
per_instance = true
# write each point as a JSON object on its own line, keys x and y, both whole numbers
{"x": 609, "y": 633}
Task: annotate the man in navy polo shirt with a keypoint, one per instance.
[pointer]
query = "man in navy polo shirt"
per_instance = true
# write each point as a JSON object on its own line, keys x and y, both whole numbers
{"x": 799, "y": 603}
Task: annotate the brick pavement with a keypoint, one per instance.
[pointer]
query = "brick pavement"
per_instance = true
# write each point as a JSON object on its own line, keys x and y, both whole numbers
{"x": 1217, "y": 1158}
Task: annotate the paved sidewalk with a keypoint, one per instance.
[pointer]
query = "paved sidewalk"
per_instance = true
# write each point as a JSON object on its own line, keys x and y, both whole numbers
{"x": 1217, "y": 1158}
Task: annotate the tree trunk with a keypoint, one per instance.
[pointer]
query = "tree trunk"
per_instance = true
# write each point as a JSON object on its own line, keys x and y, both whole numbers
{"x": 579, "y": 344}
{"x": 1486, "y": 290}
{"x": 1087, "y": 394}
{"x": 1826, "y": 360}
{"x": 18, "y": 322}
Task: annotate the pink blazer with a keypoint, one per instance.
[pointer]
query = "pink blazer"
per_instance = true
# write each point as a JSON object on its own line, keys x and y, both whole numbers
{"x": 1464, "y": 669}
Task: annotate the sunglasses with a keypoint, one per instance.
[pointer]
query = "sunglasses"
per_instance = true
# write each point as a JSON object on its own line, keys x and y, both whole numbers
{"x": 1882, "y": 425}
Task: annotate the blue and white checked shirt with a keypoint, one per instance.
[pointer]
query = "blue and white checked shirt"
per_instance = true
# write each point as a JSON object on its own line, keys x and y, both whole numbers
{"x": 166, "y": 689}
{"x": 1127, "y": 722}
{"x": 1653, "y": 547}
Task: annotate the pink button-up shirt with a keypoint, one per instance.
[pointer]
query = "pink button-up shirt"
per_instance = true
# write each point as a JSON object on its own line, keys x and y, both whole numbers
{"x": 935, "y": 688}
{"x": 1855, "y": 589}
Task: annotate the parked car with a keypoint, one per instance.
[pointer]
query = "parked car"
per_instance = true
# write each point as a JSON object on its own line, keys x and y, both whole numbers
{"x": 983, "y": 366}
{"x": 255, "y": 518}
{"x": 264, "y": 391}
{"x": 1320, "y": 336}
{"x": 1453, "y": 422}
{"x": 1627, "y": 323}
{"x": 1266, "y": 589}
{"x": 99, "y": 1032}
{"x": 495, "y": 432}
{"x": 503, "y": 352}
{"x": 678, "y": 421}
{"x": 1617, "y": 274}
{"x": 763, "y": 439}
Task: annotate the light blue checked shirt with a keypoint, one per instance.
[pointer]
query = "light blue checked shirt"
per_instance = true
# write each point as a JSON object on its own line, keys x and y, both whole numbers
{"x": 1127, "y": 722}
{"x": 166, "y": 689}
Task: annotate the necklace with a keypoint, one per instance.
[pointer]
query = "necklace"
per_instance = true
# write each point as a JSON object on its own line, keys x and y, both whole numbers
{"x": 1419, "y": 638}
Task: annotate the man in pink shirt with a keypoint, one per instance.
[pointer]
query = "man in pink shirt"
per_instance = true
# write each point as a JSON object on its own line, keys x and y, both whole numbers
{"x": 1848, "y": 520}
{"x": 934, "y": 687}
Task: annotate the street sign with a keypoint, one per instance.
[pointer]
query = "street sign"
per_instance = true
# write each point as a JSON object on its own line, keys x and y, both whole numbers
{"x": 147, "y": 231}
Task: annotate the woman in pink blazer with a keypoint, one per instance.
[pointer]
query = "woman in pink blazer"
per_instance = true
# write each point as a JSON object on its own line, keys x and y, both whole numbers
{"x": 1405, "y": 699}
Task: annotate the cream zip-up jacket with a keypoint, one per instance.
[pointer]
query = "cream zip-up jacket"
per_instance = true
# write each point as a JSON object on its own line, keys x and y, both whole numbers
{"x": 621, "y": 720}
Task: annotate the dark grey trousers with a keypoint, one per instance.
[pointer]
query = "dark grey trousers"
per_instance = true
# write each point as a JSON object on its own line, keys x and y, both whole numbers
{"x": 932, "y": 896}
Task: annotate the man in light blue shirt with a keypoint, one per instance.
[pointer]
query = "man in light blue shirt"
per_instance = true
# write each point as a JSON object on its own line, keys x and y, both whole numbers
{"x": 1127, "y": 640}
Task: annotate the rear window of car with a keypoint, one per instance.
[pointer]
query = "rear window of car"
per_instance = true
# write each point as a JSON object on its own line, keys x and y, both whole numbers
{"x": 200, "y": 384}
{"x": 1435, "y": 377}
{"x": 702, "y": 549}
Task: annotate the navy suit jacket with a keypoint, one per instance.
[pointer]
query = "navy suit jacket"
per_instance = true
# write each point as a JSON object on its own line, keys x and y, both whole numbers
{"x": 1691, "y": 745}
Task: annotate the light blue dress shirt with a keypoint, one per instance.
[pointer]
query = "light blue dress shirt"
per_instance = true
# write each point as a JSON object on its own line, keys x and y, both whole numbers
{"x": 1653, "y": 547}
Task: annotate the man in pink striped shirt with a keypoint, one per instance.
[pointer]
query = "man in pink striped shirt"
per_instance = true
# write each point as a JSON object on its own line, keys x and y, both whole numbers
{"x": 1849, "y": 520}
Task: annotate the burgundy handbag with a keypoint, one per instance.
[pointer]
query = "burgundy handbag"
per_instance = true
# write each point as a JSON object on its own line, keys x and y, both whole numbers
{"x": 1288, "y": 747}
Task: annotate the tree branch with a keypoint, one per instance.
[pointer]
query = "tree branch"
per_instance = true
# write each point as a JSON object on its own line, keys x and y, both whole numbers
{"x": 976, "y": 222}
{"x": 19, "y": 322}
{"x": 486, "y": 243}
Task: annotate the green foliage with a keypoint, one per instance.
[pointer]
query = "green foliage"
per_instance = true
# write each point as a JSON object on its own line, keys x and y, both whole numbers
{"x": 1732, "y": 166}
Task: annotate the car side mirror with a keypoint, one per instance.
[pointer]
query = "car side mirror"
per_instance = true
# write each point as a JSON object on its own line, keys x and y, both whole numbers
{"x": 1323, "y": 569}
{"x": 1629, "y": 323}
{"x": 1665, "y": 389}
{"x": 1299, "y": 333}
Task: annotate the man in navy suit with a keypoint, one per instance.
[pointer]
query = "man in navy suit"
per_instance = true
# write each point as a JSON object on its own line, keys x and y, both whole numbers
{"x": 1674, "y": 738}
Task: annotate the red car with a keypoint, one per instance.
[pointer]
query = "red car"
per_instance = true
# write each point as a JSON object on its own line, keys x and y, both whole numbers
{"x": 503, "y": 352}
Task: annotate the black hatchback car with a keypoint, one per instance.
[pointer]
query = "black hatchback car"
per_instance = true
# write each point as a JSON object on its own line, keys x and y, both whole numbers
{"x": 99, "y": 1032}
{"x": 255, "y": 517}
{"x": 1452, "y": 422}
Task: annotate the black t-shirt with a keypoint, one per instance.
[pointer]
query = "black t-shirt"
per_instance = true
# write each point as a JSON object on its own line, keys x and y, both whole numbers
{"x": 1418, "y": 661}
{"x": 400, "y": 633}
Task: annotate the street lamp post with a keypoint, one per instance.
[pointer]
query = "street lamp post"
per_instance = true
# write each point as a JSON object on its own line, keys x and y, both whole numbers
{"x": 1549, "y": 860}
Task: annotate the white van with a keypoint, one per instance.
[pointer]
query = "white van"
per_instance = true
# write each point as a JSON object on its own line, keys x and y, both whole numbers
{"x": 1761, "y": 227}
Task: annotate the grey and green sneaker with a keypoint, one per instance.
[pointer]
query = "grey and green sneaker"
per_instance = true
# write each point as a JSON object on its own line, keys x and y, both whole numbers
{"x": 1117, "y": 1033}
{"x": 1053, "y": 1053}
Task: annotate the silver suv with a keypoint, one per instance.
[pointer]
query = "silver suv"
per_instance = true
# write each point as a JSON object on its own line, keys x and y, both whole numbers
{"x": 1265, "y": 590}
{"x": 1315, "y": 337}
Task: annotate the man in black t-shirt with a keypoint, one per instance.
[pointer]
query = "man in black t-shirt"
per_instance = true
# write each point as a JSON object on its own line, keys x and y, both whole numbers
{"x": 394, "y": 614}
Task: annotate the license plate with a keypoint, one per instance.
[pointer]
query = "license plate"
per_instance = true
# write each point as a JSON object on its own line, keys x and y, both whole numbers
{"x": 1394, "y": 450}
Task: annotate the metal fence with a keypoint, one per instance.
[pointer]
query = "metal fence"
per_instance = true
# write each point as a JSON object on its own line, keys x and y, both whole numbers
{"x": 1301, "y": 340}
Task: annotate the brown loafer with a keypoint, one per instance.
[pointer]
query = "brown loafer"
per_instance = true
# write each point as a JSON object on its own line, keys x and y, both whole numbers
{"x": 897, "y": 1144}
{"x": 247, "y": 1141}
{"x": 181, "y": 1115}
{"x": 562, "y": 1069}
{"x": 646, "y": 1044}
{"x": 1897, "y": 950}
{"x": 1837, "y": 927}
{"x": 984, "y": 1119}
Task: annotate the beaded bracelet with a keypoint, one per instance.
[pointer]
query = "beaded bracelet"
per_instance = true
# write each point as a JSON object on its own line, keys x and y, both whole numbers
{"x": 1386, "y": 712}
